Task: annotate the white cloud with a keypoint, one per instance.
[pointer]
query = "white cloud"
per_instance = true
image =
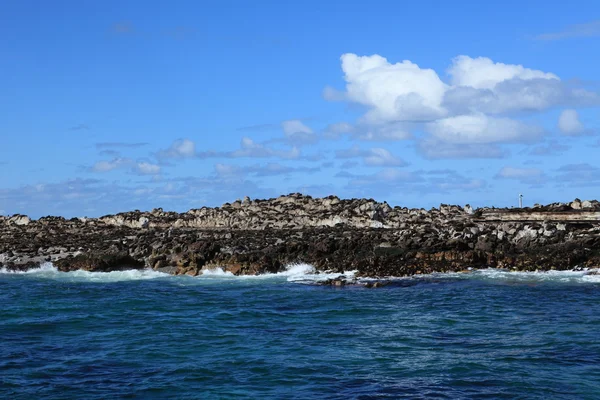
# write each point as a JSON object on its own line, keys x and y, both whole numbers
{"x": 249, "y": 148}
{"x": 578, "y": 175}
{"x": 105, "y": 166}
{"x": 569, "y": 124}
{"x": 392, "y": 131}
{"x": 225, "y": 170}
{"x": 517, "y": 96}
{"x": 401, "y": 91}
{"x": 470, "y": 109}
{"x": 334, "y": 131}
{"x": 146, "y": 168}
{"x": 294, "y": 126}
{"x": 479, "y": 128}
{"x": 524, "y": 175}
{"x": 181, "y": 148}
{"x": 378, "y": 157}
{"x": 519, "y": 173}
{"x": 296, "y": 132}
{"x": 405, "y": 92}
{"x": 483, "y": 73}
{"x": 588, "y": 29}
{"x": 436, "y": 149}
{"x": 140, "y": 167}
{"x": 270, "y": 169}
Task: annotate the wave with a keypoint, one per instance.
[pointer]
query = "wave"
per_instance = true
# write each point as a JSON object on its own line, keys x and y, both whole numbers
{"x": 307, "y": 274}
{"x": 48, "y": 270}
{"x": 296, "y": 272}
{"x": 492, "y": 274}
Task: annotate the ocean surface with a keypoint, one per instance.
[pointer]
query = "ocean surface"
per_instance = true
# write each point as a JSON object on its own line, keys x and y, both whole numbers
{"x": 145, "y": 335}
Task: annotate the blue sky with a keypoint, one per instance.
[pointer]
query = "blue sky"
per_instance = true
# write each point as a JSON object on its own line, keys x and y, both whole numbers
{"x": 113, "y": 106}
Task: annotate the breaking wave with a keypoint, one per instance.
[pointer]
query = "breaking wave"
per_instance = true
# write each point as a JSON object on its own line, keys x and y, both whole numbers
{"x": 296, "y": 272}
{"x": 491, "y": 274}
{"x": 47, "y": 270}
{"x": 307, "y": 274}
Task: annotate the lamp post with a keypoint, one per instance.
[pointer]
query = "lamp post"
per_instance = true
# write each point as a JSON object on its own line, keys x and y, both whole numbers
{"x": 520, "y": 201}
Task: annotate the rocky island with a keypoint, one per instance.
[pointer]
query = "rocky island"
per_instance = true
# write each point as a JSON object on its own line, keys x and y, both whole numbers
{"x": 263, "y": 236}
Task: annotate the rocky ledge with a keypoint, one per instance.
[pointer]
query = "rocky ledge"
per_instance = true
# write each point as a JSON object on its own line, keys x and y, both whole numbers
{"x": 260, "y": 236}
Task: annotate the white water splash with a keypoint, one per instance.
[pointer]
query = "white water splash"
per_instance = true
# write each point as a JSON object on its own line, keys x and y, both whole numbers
{"x": 296, "y": 272}
{"x": 47, "y": 270}
{"x": 216, "y": 273}
{"x": 492, "y": 274}
{"x": 306, "y": 273}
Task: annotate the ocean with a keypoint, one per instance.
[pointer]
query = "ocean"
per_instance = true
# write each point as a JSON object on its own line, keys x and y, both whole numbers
{"x": 145, "y": 335}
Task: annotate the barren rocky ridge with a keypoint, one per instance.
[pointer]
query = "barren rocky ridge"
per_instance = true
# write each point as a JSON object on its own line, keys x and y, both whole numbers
{"x": 258, "y": 236}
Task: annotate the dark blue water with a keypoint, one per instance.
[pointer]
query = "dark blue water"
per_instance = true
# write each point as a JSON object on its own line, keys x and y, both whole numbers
{"x": 145, "y": 336}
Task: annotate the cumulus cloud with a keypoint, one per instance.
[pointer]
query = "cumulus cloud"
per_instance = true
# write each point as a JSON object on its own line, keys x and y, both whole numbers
{"x": 401, "y": 91}
{"x": 516, "y": 96}
{"x": 377, "y": 157}
{"x": 406, "y": 92}
{"x": 569, "y": 124}
{"x": 483, "y": 73}
{"x": 479, "y": 128}
{"x": 476, "y": 106}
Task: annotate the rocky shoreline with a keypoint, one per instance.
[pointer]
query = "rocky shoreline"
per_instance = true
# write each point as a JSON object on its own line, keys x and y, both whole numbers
{"x": 263, "y": 236}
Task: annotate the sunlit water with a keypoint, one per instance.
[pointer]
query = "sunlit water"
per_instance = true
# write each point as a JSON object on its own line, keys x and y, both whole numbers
{"x": 132, "y": 334}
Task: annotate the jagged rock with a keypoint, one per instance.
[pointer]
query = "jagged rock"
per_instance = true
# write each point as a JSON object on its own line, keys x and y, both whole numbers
{"x": 250, "y": 237}
{"x": 18, "y": 219}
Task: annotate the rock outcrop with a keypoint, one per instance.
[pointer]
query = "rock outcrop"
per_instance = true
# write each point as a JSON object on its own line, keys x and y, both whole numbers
{"x": 258, "y": 236}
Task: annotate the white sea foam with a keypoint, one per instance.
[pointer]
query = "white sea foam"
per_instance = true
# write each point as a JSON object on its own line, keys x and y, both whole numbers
{"x": 295, "y": 272}
{"x": 292, "y": 270}
{"x": 306, "y": 273}
{"x": 216, "y": 273}
{"x": 492, "y": 274}
{"x": 47, "y": 270}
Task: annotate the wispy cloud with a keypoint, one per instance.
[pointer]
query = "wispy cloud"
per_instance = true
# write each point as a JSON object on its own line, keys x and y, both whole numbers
{"x": 588, "y": 29}
{"x": 258, "y": 128}
{"x": 269, "y": 169}
{"x": 583, "y": 174}
{"x": 549, "y": 149}
{"x": 79, "y": 127}
{"x": 186, "y": 148}
{"x": 119, "y": 145}
{"x": 375, "y": 157}
{"x": 122, "y": 28}
{"x": 391, "y": 179}
{"x": 523, "y": 175}
{"x": 136, "y": 167}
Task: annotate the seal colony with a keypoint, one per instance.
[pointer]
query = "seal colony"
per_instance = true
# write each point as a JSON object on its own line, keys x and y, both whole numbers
{"x": 332, "y": 234}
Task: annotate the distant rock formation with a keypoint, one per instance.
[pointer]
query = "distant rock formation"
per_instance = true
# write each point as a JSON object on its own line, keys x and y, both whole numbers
{"x": 257, "y": 236}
